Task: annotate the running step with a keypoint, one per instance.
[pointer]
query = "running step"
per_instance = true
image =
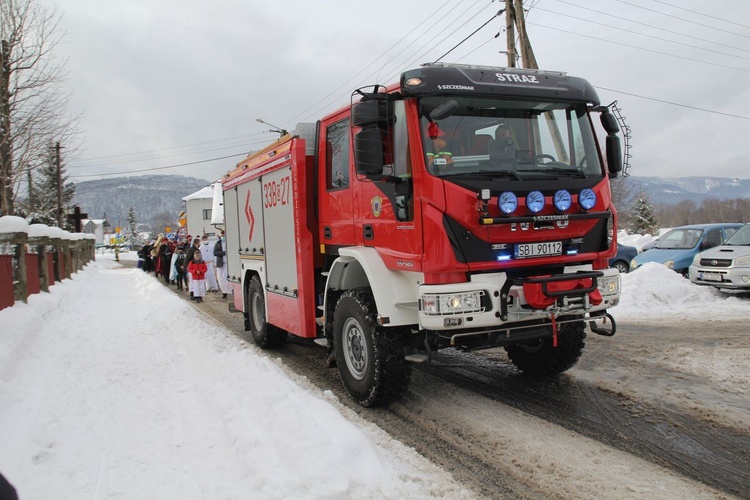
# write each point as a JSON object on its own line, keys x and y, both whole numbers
{"x": 416, "y": 358}
{"x": 325, "y": 273}
{"x": 321, "y": 341}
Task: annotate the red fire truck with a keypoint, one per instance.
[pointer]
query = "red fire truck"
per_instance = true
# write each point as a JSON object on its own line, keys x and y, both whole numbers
{"x": 464, "y": 207}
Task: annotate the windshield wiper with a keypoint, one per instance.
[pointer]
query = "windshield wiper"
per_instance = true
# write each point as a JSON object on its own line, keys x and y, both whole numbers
{"x": 486, "y": 173}
{"x": 569, "y": 171}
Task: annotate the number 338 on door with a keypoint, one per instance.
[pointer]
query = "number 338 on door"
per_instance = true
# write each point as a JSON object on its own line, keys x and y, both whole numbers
{"x": 277, "y": 193}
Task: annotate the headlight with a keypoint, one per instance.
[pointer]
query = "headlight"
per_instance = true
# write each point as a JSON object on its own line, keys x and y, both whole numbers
{"x": 742, "y": 261}
{"x": 669, "y": 264}
{"x": 609, "y": 285}
{"x": 696, "y": 260}
{"x": 633, "y": 265}
{"x": 452, "y": 303}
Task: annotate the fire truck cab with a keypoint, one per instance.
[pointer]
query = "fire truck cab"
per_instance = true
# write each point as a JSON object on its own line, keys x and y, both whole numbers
{"x": 464, "y": 207}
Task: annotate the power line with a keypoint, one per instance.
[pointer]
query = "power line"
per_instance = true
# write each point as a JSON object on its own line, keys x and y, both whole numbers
{"x": 702, "y": 14}
{"x": 660, "y": 28}
{"x": 244, "y": 153}
{"x": 642, "y": 48}
{"x": 423, "y": 53}
{"x": 376, "y": 72}
{"x": 673, "y": 103}
{"x": 683, "y": 19}
{"x": 133, "y": 159}
{"x": 472, "y": 34}
{"x": 97, "y": 158}
{"x": 374, "y": 60}
{"x": 641, "y": 34}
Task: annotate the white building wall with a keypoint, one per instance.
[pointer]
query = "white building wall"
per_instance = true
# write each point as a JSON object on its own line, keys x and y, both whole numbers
{"x": 198, "y": 213}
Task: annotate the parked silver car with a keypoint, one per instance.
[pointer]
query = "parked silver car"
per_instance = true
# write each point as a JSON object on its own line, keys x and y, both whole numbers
{"x": 726, "y": 266}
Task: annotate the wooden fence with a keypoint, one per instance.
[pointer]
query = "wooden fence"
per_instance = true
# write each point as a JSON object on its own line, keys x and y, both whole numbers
{"x": 35, "y": 257}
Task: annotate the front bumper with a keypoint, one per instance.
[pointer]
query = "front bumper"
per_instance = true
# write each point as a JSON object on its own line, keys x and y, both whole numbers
{"x": 504, "y": 300}
{"x": 735, "y": 278}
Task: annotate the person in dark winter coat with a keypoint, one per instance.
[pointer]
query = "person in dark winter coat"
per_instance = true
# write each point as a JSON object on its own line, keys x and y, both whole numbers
{"x": 220, "y": 252}
{"x": 197, "y": 269}
{"x": 180, "y": 265}
{"x": 165, "y": 254}
{"x": 7, "y": 491}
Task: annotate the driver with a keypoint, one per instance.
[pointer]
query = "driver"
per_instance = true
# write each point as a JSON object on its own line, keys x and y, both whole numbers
{"x": 504, "y": 147}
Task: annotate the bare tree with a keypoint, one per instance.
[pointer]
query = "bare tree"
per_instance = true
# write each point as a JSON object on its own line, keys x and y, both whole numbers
{"x": 33, "y": 108}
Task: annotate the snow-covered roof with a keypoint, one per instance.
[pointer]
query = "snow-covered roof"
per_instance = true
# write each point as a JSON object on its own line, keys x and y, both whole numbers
{"x": 203, "y": 193}
{"x": 13, "y": 224}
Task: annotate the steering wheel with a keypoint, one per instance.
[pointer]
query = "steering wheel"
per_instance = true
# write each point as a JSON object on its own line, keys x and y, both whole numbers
{"x": 544, "y": 157}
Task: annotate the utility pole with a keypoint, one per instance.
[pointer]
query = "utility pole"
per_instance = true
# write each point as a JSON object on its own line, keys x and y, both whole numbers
{"x": 527, "y": 54}
{"x": 59, "y": 187}
{"x": 510, "y": 33}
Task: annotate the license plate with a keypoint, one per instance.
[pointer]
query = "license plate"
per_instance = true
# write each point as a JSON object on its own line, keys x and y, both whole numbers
{"x": 527, "y": 250}
{"x": 711, "y": 276}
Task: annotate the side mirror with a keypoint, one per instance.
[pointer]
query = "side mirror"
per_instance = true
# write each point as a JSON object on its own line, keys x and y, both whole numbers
{"x": 368, "y": 152}
{"x": 614, "y": 148}
{"x": 369, "y": 112}
{"x": 614, "y": 155}
{"x": 609, "y": 122}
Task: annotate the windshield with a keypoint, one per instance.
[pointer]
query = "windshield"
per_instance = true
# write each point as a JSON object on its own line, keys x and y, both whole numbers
{"x": 740, "y": 238}
{"x": 517, "y": 139}
{"x": 680, "y": 239}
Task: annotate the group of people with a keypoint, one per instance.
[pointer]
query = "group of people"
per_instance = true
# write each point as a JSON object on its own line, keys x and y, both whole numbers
{"x": 196, "y": 265}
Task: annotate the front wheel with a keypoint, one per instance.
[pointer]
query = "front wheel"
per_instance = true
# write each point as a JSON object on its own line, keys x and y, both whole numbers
{"x": 370, "y": 358}
{"x": 264, "y": 334}
{"x": 621, "y": 266}
{"x": 540, "y": 358}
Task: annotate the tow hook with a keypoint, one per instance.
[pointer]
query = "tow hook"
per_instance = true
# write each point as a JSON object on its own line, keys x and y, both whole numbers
{"x": 608, "y": 326}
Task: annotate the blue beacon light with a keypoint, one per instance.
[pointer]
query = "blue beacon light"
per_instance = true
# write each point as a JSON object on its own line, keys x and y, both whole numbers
{"x": 535, "y": 201}
{"x": 507, "y": 202}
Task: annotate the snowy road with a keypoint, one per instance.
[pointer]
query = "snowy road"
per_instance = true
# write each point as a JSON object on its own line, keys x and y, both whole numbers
{"x": 114, "y": 386}
{"x": 658, "y": 411}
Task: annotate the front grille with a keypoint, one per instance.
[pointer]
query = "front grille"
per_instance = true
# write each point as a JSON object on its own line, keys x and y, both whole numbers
{"x": 716, "y": 262}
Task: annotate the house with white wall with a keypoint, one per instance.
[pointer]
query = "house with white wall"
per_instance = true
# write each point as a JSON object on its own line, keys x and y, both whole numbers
{"x": 97, "y": 227}
{"x": 198, "y": 211}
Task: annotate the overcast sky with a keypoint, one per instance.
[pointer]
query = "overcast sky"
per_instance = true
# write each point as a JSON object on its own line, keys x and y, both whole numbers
{"x": 165, "y": 83}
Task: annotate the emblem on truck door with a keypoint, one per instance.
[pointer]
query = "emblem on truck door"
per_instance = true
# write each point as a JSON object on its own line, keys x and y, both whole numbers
{"x": 377, "y": 206}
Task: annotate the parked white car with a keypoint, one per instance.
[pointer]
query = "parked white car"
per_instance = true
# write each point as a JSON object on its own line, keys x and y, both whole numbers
{"x": 726, "y": 266}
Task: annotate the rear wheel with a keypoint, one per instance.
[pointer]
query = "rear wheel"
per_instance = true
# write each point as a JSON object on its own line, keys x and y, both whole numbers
{"x": 540, "y": 358}
{"x": 265, "y": 335}
{"x": 370, "y": 358}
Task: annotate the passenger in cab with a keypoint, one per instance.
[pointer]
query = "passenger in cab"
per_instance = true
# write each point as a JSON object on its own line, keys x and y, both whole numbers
{"x": 439, "y": 159}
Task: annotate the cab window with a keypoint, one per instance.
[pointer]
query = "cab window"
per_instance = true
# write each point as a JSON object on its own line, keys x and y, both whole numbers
{"x": 337, "y": 155}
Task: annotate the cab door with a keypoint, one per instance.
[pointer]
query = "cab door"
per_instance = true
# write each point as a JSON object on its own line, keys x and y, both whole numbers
{"x": 335, "y": 175}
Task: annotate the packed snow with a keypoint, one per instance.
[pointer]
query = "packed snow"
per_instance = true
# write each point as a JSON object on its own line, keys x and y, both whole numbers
{"x": 113, "y": 386}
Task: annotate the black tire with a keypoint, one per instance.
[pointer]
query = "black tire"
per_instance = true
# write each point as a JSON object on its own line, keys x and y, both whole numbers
{"x": 266, "y": 336}
{"x": 370, "y": 358}
{"x": 621, "y": 266}
{"x": 539, "y": 358}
